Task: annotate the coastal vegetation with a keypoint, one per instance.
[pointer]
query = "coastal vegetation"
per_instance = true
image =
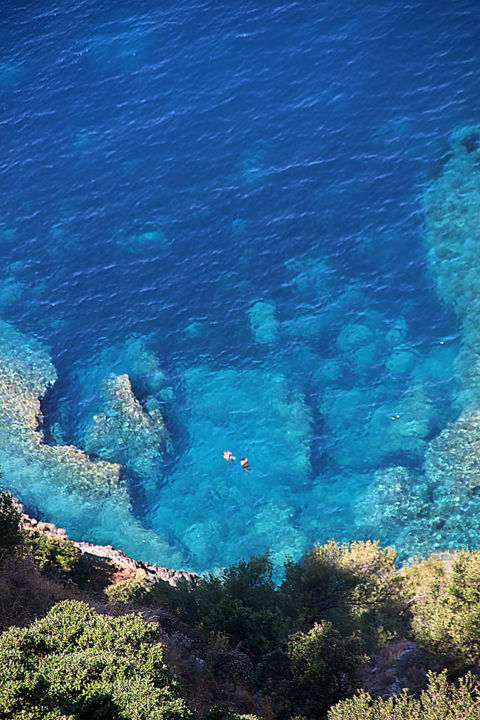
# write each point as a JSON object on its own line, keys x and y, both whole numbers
{"x": 237, "y": 644}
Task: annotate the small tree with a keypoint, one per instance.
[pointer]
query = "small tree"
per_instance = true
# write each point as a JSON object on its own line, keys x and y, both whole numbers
{"x": 10, "y": 523}
{"x": 353, "y": 585}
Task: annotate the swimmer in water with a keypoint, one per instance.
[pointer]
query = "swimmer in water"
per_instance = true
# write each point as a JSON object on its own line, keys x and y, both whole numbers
{"x": 244, "y": 464}
{"x": 229, "y": 456}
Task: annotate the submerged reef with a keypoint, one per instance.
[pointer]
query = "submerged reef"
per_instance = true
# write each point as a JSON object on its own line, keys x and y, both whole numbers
{"x": 89, "y": 497}
{"x": 263, "y": 322}
{"x": 453, "y": 458}
{"x": 127, "y": 432}
{"x": 395, "y": 498}
{"x": 429, "y": 504}
{"x": 391, "y": 458}
{"x": 380, "y": 398}
{"x": 397, "y": 505}
{"x": 366, "y": 435}
{"x": 131, "y": 357}
{"x": 451, "y": 205}
{"x": 124, "y": 394}
{"x": 438, "y": 506}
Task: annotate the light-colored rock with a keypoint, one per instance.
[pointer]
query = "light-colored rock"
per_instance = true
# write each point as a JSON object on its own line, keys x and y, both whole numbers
{"x": 263, "y": 322}
{"x": 453, "y": 457}
{"x": 127, "y": 432}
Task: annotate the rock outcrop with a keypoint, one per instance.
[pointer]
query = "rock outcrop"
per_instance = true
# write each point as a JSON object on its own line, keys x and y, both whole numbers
{"x": 127, "y": 432}
{"x": 453, "y": 458}
{"x": 119, "y": 561}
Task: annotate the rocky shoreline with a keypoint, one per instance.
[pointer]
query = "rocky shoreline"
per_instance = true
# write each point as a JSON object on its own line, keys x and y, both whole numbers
{"x": 121, "y": 564}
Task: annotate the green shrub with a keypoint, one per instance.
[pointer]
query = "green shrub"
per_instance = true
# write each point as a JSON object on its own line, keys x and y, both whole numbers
{"x": 241, "y": 603}
{"x": 53, "y": 553}
{"x": 445, "y": 606}
{"x": 127, "y": 591}
{"x": 440, "y": 701}
{"x": 78, "y": 664}
{"x": 10, "y": 523}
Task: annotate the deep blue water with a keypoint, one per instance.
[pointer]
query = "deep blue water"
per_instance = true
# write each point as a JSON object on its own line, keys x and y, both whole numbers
{"x": 164, "y": 164}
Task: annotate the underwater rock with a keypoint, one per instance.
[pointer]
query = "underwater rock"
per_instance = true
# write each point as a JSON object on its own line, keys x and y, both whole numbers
{"x": 437, "y": 366}
{"x": 126, "y": 432}
{"x": 393, "y": 499}
{"x": 25, "y": 374}
{"x": 88, "y": 497}
{"x": 397, "y": 334}
{"x": 407, "y": 427}
{"x": 312, "y": 277}
{"x": 452, "y": 220}
{"x": 153, "y": 239}
{"x": 313, "y": 322}
{"x": 309, "y": 323}
{"x": 10, "y": 292}
{"x": 131, "y": 357}
{"x": 345, "y": 412}
{"x": 263, "y": 322}
{"x": 116, "y": 426}
{"x": 402, "y": 361}
{"x": 453, "y": 457}
{"x": 194, "y": 329}
{"x": 418, "y": 513}
{"x": 452, "y": 216}
{"x": 198, "y": 539}
{"x": 239, "y": 226}
{"x": 274, "y": 524}
{"x": 353, "y": 336}
{"x": 252, "y": 164}
{"x": 329, "y": 372}
{"x": 361, "y": 346}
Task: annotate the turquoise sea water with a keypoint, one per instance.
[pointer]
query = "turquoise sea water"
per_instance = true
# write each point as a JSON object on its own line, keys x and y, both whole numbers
{"x": 241, "y": 209}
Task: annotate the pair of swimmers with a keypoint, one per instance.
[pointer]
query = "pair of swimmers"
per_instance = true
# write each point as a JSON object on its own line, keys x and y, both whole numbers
{"x": 230, "y": 457}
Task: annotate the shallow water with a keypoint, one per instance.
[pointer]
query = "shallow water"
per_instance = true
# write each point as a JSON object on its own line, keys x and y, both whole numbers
{"x": 226, "y": 205}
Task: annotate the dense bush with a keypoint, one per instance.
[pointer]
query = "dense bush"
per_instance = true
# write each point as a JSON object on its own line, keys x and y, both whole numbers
{"x": 241, "y": 603}
{"x": 445, "y": 606}
{"x": 319, "y": 670}
{"x": 126, "y": 592}
{"x": 53, "y": 553}
{"x": 440, "y": 701}
{"x": 75, "y": 663}
{"x": 10, "y": 526}
{"x": 308, "y": 634}
{"x": 225, "y": 712}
